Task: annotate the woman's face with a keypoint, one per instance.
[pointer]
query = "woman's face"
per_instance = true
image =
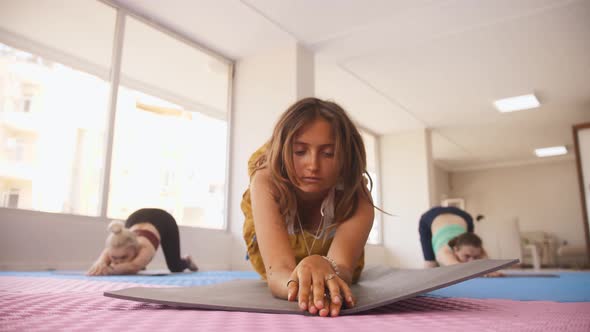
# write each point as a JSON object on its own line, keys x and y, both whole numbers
{"x": 313, "y": 157}
{"x": 122, "y": 254}
{"x": 467, "y": 253}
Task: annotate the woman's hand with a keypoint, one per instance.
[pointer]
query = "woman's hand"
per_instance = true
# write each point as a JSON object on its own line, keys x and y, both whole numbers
{"x": 495, "y": 274}
{"x": 99, "y": 269}
{"x": 317, "y": 287}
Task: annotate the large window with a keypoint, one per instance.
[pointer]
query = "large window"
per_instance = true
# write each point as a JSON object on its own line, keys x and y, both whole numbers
{"x": 371, "y": 147}
{"x": 170, "y": 128}
{"x": 54, "y": 91}
{"x": 57, "y": 84}
{"x": 168, "y": 157}
{"x": 52, "y": 139}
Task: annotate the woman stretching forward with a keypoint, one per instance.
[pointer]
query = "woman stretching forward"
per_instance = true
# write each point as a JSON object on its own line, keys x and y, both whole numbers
{"x": 130, "y": 247}
{"x": 446, "y": 236}
{"x": 308, "y": 209}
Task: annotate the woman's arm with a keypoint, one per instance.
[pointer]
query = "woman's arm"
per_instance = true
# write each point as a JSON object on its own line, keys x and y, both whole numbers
{"x": 144, "y": 256}
{"x": 445, "y": 256}
{"x": 100, "y": 267}
{"x": 315, "y": 274}
{"x": 271, "y": 234}
{"x": 350, "y": 240}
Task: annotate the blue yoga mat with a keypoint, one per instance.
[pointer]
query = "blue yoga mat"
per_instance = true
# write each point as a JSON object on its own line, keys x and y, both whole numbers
{"x": 560, "y": 287}
{"x": 566, "y": 287}
{"x": 173, "y": 279}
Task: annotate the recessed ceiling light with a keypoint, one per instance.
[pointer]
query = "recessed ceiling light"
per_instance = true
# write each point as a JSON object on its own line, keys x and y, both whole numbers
{"x": 552, "y": 151}
{"x": 519, "y": 103}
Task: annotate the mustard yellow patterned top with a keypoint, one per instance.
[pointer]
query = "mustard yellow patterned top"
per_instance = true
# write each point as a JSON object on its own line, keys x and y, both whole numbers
{"x": 320, "y": 246}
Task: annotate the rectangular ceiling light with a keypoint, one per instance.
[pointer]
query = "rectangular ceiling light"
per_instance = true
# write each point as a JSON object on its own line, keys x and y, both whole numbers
{"x": 552, "y": 151}
{"x": 519, "y": 103}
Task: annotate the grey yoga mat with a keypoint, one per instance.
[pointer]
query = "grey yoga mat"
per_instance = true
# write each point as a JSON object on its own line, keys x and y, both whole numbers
{"x": 378, "y": 286}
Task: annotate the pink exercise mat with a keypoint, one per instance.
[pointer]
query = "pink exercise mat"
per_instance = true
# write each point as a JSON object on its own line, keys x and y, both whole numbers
{"x": 44, "y": 304}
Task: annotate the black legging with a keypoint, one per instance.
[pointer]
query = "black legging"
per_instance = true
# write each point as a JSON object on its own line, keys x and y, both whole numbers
{"x": 169, "y": 237}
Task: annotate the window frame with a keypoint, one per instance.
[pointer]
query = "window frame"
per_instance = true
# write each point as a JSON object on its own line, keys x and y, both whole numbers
{"x": 376, "y": 183}
{"x": 112, "y": 76}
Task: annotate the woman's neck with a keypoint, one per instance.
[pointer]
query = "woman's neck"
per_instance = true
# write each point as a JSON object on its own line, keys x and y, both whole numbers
{"x": 310, "y": 200}
{"x": 309, "y": 209}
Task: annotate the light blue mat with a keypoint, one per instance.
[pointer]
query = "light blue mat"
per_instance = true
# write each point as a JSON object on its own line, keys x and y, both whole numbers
{"x": 566, "y": 287}
{"x": 172, "y": 279}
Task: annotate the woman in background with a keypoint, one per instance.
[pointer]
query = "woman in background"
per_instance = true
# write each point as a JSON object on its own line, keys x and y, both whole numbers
{"x": 446, "y": 236}
{"x": 131, "y": 246}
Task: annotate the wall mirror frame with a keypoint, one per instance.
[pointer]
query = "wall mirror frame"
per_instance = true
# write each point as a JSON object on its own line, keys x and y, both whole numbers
{"x": 582, "y": 149}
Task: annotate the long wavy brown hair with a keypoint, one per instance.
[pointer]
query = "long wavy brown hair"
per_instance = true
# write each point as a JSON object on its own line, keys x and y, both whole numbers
{"x": 349, "y": 153}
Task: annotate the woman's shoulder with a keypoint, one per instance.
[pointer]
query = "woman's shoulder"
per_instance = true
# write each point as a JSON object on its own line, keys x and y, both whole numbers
{"x": 364, "y": 209}
{"x": 261, "y": 180}
{"x": 256, "y": 159}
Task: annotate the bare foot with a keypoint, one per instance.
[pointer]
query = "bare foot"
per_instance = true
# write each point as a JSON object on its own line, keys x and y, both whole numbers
{"x": 191, "y": 265}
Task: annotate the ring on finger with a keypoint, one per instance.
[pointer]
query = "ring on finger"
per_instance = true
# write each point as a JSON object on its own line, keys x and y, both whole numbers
{"x": 330, "y": 276}
{"x": 292, "y": 280}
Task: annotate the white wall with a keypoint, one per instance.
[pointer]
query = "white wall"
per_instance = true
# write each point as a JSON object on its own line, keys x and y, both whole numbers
{"x": 305, "y": 81}
{"x": 442, "y": 185}
{"x": 36, "y": 240}
{"x": 264, "y": 86}
{"x": 405, "y": 173}
{"x": 542, "y": 196}
{"x": 376, "y": 255}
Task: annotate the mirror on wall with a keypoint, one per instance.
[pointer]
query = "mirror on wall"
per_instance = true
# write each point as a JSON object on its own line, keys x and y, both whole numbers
{"x": 582, "y": 149}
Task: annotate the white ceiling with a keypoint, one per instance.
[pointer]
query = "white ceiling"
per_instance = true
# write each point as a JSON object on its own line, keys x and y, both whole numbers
{"x": 399, "y": 65}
